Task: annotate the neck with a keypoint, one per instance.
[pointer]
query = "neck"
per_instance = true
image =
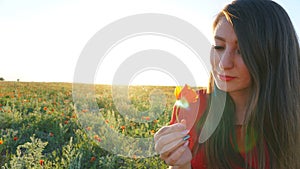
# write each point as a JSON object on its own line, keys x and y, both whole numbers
{"x": 240, "y": 99}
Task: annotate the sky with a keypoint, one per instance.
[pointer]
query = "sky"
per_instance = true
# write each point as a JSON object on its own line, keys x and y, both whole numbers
{"x": 42, "y": 41}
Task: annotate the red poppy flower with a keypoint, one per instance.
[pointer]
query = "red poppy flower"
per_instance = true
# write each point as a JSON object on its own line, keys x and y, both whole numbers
{"x": 93, "y": 159}
{"x": 184, "y": 97}
{"x": 146, "y": 118}
{"x": 41, "y": 162}
{"x": 96, "y": 137}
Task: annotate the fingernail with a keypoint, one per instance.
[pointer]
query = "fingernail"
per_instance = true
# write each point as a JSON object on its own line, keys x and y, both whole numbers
{"x": 186, "y": 137}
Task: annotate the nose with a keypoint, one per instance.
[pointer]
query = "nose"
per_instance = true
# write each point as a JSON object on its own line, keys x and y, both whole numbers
{"x": 226, "y": 60}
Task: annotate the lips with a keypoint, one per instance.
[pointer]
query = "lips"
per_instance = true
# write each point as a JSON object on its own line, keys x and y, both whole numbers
{"x": 225, "y": 77}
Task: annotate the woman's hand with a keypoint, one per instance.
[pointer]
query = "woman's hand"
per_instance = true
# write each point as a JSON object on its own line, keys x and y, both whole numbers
{"x": 170, "y": 144}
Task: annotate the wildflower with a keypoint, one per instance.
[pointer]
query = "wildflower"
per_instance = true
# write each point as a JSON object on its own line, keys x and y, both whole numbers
{"x": 16, "y": 138}
{"x": 96, "y": 137}
{"x": 84, "y": 110}
{"x": 93, "y": 159}
{"x": 41, "y": 162}
{"x": 1, "y": 142}
{"x": 45, "y": 108}
{"x": 177, "y": 92}
{"x": 123, "y": 127}
{"x": 184, "y": 97}
{"x": 146, "y": 118}
{"x": 134, "y": 157}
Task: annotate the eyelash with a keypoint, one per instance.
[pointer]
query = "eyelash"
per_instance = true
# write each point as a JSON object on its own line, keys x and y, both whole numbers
{"x": 218, "y": 47}
{"x": 222, "y": 48}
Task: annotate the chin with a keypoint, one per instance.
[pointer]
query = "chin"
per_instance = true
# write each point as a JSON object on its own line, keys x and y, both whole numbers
{"x": 224, "y": 87}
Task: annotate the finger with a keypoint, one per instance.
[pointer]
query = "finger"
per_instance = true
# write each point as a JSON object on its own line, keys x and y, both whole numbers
{"x": 171, "y": 146}
{"x": 165, "y": 154}
{"x": 185, "y": 157}
{"x": 169, "y": 141}
{"x": 177, "y": 157}
{"x": 169, "y": 129}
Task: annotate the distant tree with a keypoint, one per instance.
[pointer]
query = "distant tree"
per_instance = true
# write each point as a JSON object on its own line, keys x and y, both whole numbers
{"x": 1, "y": 79}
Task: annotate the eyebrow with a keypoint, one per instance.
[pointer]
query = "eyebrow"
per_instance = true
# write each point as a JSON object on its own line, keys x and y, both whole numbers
{"x": 220, "y": 38}
{"x": 223, "y": 39}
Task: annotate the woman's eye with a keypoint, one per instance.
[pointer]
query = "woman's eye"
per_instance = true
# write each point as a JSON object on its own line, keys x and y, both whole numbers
{"x": 218, "y": 47}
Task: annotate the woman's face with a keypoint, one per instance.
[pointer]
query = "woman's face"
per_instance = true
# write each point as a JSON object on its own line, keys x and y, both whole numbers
{"x": 229, "y": 71}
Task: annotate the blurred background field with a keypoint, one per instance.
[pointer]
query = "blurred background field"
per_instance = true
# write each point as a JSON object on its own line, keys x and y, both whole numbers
{"x": 39, "y": 127}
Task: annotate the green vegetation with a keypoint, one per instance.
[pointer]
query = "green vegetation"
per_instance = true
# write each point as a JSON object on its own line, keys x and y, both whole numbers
{"x": 39, "y": 127}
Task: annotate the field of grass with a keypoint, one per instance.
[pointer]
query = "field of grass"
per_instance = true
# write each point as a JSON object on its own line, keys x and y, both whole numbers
{"x": 42, "y": 127}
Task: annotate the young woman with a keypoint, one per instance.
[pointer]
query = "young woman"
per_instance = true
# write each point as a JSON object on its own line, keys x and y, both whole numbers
{"x": 256, "y": 63}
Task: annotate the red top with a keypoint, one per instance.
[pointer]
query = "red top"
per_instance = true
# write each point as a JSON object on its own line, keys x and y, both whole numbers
{"x": 191, "y": 115}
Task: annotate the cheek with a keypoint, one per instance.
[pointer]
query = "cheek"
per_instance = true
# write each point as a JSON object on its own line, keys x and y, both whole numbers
{"x": 248, "y": 77}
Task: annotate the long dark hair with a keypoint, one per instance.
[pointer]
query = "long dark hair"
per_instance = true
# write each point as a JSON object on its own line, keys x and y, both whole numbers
{"x": 270, "y": 49}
